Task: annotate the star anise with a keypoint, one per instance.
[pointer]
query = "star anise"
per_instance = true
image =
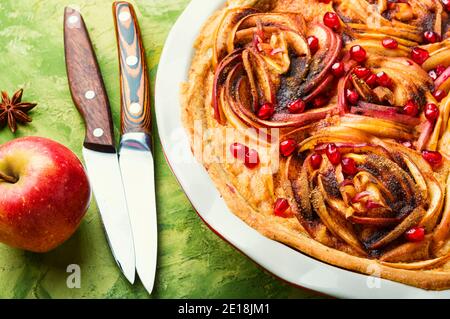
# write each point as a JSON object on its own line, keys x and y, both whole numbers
{"x": 13, "y": 110}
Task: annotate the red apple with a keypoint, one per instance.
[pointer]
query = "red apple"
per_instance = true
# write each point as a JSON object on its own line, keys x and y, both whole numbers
{"x": 44, "y": 194}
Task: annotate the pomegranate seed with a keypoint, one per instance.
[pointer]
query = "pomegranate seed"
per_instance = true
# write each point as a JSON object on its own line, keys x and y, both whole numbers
{"x": 431, "y": 37}
{"x": 281, "y": 206}
{"x": 384, "y": 80}
{"x": 352, "y": 96}
{"x": 288, "y": 147}
{"x": 243, "y": 153}
{"x": 419, "y": 55}
{"x": 333, "y": 154}
{"x": 415, "y": 234}
{"x": 238, "y": 150}
{"x": 251, "y": 159}
{"x": 411, "y": 109}
{"x": 313, "y": 43}
{"x": 316, "y": 160}
{"x": 325, "y": 1}
{"x": 390, "y": 43}
{"x": 439, "y": 95}
{"x": 372, "y": 80}
{"x": 338, "y": 69}
{"x": 446, "y": 4}
{"x": 433, "y": 158}
{"x": 266, "y": 111}
{"x": 358, "y": 53}
{"x": 331, "y": 20}
{"x": 349, "y": 166}
{"x": 320, "y": 101}
{"x": 433, "y": 75}
{"x": 440, "y": 69}
{"x": 297, "y": 106}
{"x": 361, "y": 72}
{"x": 431, "y": 112}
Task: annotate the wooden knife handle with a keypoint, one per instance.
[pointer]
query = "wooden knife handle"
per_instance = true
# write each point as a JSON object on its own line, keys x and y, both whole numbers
{"x": 134, "y": 81}
{"x": 86, "y": 84}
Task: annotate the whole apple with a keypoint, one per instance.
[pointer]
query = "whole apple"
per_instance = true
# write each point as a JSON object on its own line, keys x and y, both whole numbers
{"x": 44, "y": 193}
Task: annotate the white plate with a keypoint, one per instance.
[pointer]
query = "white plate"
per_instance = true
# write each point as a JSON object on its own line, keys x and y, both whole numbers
{"x": 282, "y": 261}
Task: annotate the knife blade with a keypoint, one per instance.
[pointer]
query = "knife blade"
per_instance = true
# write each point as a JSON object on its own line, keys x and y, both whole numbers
{"x": 89, "y": 96}
{"x": 135, "y": 155}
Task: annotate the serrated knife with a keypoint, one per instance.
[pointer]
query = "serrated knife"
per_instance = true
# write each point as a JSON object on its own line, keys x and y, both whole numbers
{"x": 135, "y": 155}
{"x": 90, "y": 98}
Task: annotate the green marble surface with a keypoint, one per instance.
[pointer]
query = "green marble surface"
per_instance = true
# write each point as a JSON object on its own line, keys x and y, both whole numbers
{"x": 193, "y": 262}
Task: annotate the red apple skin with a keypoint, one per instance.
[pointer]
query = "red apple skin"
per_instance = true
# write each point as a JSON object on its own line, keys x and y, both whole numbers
{"x": 46, "y": 205}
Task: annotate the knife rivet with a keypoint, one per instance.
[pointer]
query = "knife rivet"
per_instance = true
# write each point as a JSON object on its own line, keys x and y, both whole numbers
{"x": 135, "y": 108}
{"x": 124, "y": 16}
{"x": 89, "y": 95}
{"x": 132, "y": 60}
{"x": 73, "y": 19}
{"x": 98, "y": 132}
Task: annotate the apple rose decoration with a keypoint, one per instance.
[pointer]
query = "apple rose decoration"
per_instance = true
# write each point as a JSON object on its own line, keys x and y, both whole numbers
{"x": 387, "y": 97}
{"x": 368, "y": 197}
{"x": 273, "y": 70}
{"x": 392, "y": 28}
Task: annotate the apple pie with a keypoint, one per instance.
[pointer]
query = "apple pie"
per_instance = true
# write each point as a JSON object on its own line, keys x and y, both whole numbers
{"x": 325, "y": 126}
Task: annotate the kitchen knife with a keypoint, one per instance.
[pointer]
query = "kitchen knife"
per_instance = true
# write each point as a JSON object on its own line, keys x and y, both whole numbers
{"x": 90, "y": 98}
{"x": 135, "y": 155}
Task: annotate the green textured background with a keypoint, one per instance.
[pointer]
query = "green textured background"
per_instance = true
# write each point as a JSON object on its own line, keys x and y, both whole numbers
{"x": 193, "y": 262}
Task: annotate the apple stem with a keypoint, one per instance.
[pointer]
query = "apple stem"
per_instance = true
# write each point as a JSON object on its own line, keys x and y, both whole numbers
{"x": 7, "y": 178}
